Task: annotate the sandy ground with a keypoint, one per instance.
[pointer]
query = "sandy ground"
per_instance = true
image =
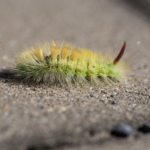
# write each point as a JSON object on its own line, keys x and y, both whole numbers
{"x": 41, "y": 117}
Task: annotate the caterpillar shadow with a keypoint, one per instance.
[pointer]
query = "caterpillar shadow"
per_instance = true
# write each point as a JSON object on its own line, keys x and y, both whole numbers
{"x": 7, "y": 74}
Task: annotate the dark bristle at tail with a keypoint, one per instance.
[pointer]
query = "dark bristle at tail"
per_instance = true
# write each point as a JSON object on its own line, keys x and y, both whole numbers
{"x": 117, "y": 59}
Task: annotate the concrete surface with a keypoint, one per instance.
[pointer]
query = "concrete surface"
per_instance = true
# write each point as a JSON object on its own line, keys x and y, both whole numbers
{"x": 40, "y": 117}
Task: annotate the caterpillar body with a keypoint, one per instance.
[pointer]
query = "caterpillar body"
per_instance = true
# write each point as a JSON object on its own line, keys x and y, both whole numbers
{"x": 67, "y": 65}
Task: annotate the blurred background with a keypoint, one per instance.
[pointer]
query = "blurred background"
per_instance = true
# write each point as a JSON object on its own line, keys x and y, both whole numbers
{"x": 96, "y": 24}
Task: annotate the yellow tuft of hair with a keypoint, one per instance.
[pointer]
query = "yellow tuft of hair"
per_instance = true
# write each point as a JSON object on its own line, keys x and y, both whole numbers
{"x": 46, "y": 49}
{"x": 76, "y": 53}
{"x": 54, "y": 51}
{"x": 39, "y": 54}
{"x": 65, "y": 52}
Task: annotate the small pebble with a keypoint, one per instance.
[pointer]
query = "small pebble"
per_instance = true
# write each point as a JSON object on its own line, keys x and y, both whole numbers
{"x": 145, "y": 128}
{"x": 113, "y": 102}
{"x": 122, "y": 130}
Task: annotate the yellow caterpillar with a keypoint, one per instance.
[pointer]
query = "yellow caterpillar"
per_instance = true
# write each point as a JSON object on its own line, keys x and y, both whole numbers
{"x": 64, "y": 64}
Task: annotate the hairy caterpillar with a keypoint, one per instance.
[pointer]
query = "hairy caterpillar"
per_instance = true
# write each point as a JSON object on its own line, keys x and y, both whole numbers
{"x": 67, "y": 65}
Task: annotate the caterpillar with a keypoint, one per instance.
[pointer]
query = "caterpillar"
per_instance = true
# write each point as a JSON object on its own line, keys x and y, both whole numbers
{"x": 65, "y": 64}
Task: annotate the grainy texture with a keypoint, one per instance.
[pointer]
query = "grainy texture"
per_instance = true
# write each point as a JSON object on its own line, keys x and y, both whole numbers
{"x": 41, "y": 117}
